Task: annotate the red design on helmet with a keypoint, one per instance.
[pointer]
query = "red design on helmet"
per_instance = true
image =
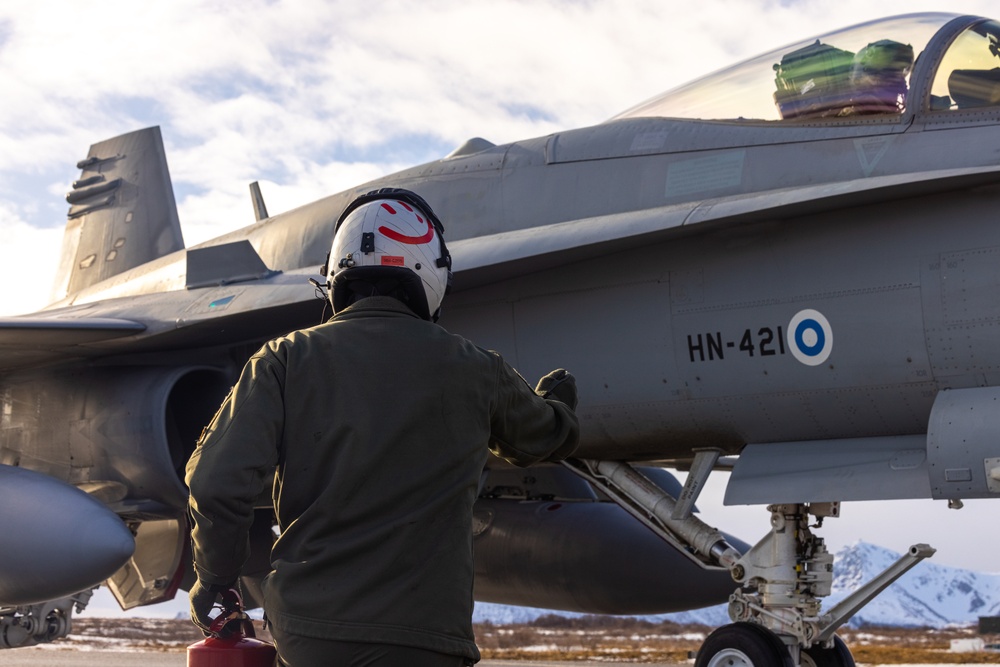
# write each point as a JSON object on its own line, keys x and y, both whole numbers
{"x": 410, "y": 240}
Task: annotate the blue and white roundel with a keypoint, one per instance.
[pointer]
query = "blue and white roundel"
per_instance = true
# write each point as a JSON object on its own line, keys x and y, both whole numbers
{"x": 810, "y": 337}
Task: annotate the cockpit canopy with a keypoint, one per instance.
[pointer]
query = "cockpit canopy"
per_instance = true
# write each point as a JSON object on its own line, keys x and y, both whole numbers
{"x": 821, "y": 80}
{"x": 969, "y": 75}
{"x": 859, "y": 71}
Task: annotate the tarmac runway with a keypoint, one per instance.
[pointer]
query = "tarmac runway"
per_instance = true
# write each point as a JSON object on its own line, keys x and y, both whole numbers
{"x": 61, "y": 658}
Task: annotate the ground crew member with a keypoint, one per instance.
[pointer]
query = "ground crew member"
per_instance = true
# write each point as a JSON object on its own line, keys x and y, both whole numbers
{"x": 379, "y": 423}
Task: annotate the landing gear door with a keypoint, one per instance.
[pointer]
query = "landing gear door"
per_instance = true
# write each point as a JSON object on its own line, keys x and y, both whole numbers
{"x": 153, "y": 574}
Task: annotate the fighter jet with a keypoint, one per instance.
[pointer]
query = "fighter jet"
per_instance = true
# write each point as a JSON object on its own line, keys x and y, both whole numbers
{"x": 787, "y": 268}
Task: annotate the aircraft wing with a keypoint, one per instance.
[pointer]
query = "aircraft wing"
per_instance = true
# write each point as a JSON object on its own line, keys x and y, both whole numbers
{"x": 35, "y": 332}
{"x": 487, "y": 259}
{"x": 249, "y": 311}
{"x": 24, "y": 340}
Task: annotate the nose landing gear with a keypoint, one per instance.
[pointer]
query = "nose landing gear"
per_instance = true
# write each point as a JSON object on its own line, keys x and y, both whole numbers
{"x": 777, "y": 609}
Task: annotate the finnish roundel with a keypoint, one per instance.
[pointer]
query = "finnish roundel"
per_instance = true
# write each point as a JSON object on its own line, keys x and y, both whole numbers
{"x": 810, "y": 337}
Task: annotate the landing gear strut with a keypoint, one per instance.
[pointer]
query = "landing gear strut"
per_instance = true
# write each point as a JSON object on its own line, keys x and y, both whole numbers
{"x": 777, "y": 609}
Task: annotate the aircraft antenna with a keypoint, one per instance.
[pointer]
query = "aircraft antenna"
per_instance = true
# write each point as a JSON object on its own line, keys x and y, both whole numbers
{"x": 259, "y": 209}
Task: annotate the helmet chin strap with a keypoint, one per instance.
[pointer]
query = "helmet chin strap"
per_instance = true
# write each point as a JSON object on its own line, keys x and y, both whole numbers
{"x": 321, "y": 288}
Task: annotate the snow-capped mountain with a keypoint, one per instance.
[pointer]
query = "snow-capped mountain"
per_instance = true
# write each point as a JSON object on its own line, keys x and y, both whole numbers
{"x": 928, "y": 595}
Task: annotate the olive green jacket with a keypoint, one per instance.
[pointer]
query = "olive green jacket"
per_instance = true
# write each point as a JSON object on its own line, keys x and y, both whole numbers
{"x": 379, "y": 424}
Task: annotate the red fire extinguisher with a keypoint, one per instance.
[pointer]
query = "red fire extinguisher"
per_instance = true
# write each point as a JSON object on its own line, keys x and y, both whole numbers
{"x": 232, "y": 642}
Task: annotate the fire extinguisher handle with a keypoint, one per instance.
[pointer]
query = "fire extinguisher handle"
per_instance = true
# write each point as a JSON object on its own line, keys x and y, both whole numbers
{"x": 233, "y": 620}
{"x": 232, "y": 600}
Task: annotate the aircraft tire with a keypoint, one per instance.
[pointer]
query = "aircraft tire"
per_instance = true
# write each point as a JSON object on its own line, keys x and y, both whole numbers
{"x": 743, "y": 645}
{"x": 837, "y": 656}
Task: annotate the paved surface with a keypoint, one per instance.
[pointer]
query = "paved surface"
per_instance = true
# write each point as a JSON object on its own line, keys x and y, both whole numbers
{"x": 569, "y": 663}
{"x": 31, "y": 657}
{"x": 60, "y": 658}
{"x": 572, "y": 663}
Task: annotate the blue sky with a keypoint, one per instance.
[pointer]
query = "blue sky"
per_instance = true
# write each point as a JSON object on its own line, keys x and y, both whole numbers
{"x": 313, "y": 97}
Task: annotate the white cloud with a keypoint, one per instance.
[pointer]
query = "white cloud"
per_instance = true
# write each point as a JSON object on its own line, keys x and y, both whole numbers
{"x": 322, "y": 80}
{"x": 29, "y": 262}
{"x": 223, "y": 208}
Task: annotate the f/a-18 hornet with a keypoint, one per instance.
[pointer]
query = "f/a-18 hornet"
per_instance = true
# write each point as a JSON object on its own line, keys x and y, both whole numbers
{"x": 788, "y": 268}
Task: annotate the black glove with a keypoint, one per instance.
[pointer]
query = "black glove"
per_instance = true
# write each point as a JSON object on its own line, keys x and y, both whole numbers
{"x": 559, "y": 385}
{"x": 203, "y": 599}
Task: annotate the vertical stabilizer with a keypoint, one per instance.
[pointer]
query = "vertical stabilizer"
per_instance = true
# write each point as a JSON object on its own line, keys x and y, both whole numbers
{"x": 122, "y": 212}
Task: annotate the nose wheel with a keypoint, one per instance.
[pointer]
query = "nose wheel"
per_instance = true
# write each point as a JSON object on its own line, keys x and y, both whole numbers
{"x": 836, "y": 656}
{"x": 743, "y": 645}
{"x": 752, "y": 645}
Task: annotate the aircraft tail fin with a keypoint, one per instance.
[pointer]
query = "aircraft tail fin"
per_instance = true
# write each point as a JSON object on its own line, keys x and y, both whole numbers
{"x": 122, "y": 212}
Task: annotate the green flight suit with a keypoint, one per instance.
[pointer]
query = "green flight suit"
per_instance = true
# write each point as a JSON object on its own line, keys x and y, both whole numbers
{"x": 379, "y": 424}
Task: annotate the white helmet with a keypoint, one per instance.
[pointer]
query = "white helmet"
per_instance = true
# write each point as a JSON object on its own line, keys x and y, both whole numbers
{"x": 390, "y": 241}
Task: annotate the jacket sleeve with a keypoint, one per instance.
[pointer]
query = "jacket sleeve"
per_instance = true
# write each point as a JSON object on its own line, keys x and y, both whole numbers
{"x": 527, "y": 428}
{"x": 228, "y": 470}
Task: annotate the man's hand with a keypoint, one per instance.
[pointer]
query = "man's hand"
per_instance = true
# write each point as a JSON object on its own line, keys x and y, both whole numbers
{"x": 203, "y": 598}
{"x": 559, "y": 385}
